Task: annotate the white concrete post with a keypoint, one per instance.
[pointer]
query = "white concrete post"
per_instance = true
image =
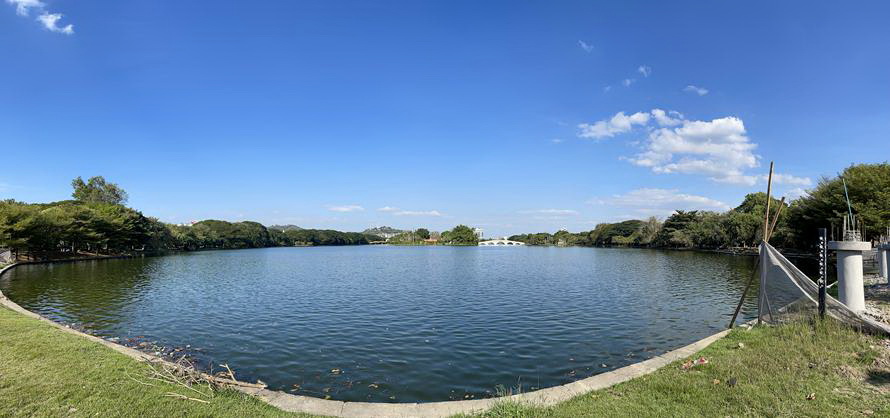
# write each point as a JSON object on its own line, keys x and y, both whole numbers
{"x": 851, "y": 289}
{"x": 884, "y": 261}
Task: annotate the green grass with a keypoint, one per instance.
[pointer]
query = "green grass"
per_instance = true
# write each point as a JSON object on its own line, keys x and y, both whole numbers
{"x": 46, "y": 372}
{"x": 775, "y": 371}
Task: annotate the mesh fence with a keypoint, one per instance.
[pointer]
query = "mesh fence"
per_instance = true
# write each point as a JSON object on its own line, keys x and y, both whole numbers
{"x": 787, "y": 294}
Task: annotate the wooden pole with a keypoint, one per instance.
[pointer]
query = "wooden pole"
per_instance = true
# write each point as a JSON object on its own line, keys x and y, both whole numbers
{"x": 769, "y": 188}
{"x": 772, "y": 226}
{"x": 762, "y": 295}
{"x": 744, "y": 293}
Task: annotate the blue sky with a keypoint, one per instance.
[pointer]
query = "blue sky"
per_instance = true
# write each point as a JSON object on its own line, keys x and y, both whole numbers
{"x": 512, "y": 116}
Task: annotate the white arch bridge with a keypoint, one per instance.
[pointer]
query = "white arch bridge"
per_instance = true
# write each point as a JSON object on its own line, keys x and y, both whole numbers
{"x": 499, "y": 242}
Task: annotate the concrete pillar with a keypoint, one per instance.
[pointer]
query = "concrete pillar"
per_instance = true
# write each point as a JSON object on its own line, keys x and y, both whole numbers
{"x": 884, "y": 261}
{"x": 851, "y": 290}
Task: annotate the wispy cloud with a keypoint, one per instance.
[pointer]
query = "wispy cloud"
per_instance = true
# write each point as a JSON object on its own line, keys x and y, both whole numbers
{"x": 50, "y": 21}
{"x": 346, "y": 208}
{"x": 418, "y": 213}
{"x": 585, "y": 46}
{"x": 659, "y": 202}
{"x": 23, "y": 7}
{"x": 388, "y": 209}
{"x": 620, "y": 123}
{"x": 607, "y": 89}
{"x": 628, "y": 81}
{"x": 555, "y": 212}
{"x": 556, "y": 141}
{"x": 645, "y": 70}
{"x": 701, "y": 91}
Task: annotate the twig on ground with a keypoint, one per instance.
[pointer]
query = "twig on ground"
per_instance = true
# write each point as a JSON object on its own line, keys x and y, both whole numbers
{"x": 183, "y": 397}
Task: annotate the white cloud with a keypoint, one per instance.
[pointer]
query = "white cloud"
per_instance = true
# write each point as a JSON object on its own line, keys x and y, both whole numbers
{"x": 789, "y": 179}
{"x": 585, "y": 46}
{"x": 663, "y": 118}
{"x": 778, "y": 178}
{"x": 701, "y": 91}
{"x": 23, "y": 7}
{"x": 628, "y": 81}
{"x": 346, "y": 208}
{"x": 620, "y": 123}
{"x": 796, "y": 193}
{"x": 718, "y": 148}
{"x": 556, "y": 141}
{"x": 418, "y": 213}
{"x": 388, "y": 209}
{"x": 555, "y": 212}
{"x": 50, "y": 22}
{"x": 659, "y": 202}
{"x": 645, "y": 70}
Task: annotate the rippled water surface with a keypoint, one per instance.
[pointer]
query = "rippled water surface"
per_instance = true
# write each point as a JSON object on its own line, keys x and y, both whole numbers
{"x": 399, "y": 324}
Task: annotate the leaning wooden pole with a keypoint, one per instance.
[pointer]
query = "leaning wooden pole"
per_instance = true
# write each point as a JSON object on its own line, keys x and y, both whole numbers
{"x": 738, "y": 307}
{"x": 769, "y": 187}
{"x": 761, "y": 296}
{"x": 759, "y": 266}
{"x": 772, "y": 225}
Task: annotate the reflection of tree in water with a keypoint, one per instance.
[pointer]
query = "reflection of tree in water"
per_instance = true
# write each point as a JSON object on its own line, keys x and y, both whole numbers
{"x": 93, "y": 294}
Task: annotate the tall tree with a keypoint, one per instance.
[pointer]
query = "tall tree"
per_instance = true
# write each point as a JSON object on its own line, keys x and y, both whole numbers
{"x": 97, "y": 190}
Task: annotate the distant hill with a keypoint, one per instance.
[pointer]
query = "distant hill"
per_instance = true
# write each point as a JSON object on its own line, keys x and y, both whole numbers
{"x": 383, "y": 231}
{"x": 283, "y": 228}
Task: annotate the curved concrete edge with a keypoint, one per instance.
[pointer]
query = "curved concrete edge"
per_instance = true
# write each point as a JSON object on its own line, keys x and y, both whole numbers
{"x": 305, "y": 404}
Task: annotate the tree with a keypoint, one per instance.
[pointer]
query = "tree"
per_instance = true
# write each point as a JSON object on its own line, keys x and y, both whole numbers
{"x": 97, "y": 190}
{"x": 825, "y": 206}
{"x": 422, "y": 233}
{"x": 649, "y": 230}
{"x": 460, "y": 235}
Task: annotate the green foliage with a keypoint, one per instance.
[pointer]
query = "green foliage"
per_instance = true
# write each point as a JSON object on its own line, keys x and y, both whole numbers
{"x": 97, "y": 190}
{"x": 460, "y": 235}
{"x": 869, "y": 189}
{"x": 325, "y": 237}
{"x": 422, "y": 233}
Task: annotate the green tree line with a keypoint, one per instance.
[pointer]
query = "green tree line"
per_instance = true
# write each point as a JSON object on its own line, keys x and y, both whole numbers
{"x": 798, "y": 222}
{"x": 96, "y": 222}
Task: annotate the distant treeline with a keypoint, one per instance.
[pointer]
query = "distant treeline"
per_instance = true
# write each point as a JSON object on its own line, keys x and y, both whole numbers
{"x": 742, "y": 226}
{"x": 69, "y": 228}
{"x": 97, "y": 222}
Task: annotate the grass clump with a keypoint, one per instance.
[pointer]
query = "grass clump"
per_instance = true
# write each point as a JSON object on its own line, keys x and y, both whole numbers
{"x": 800, "y": 369}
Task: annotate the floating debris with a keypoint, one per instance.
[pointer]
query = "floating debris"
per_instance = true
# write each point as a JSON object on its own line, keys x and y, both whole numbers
{"x": 374, "y": 386}
{"x": 336, "y": 371}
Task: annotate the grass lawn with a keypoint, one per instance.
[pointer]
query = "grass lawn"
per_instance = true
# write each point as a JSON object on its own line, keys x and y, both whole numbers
{"x": 47, "y": 372}
{"x": 776, "y": 370}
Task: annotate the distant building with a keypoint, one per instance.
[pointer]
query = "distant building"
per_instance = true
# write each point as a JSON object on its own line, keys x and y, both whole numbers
{"x": 478, "y": 232}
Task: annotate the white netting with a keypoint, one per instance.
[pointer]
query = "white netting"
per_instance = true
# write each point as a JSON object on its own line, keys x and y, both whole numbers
{"x": 788, "y": 294}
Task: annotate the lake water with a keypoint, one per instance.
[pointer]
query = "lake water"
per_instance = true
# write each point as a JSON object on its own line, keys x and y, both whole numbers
{"x": 398, "y": 324}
